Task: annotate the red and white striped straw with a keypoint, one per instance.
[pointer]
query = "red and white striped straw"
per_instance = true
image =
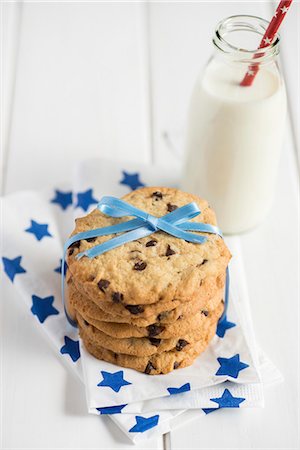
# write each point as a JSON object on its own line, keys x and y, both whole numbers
{"x": 268, "y": 38}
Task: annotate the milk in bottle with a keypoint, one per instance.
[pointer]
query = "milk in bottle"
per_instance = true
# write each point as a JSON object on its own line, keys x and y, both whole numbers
{"x": 234, "y": 133}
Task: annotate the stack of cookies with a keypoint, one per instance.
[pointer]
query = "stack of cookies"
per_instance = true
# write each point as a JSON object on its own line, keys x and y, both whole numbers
{"x": 152, "y": 304}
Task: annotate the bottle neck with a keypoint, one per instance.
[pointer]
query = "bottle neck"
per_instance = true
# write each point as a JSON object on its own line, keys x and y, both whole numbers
{"x": 237, "y": 39}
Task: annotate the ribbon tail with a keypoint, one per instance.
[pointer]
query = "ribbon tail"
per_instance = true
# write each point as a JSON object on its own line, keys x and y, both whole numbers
{"x": 113, "y": 229}
{"x": 116, "y": 242}
{"x": 202, "y": 227}
{"x": 181, "y": 234}
{"x": 226, "y": 299}
{"x": 69, "y": 318}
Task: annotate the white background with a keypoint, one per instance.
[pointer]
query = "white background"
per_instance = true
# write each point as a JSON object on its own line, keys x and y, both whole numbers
{"x": 113, "y": 79}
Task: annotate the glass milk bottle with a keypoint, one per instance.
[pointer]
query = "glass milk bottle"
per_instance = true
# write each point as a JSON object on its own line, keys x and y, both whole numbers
{"x": 234, "y": 133}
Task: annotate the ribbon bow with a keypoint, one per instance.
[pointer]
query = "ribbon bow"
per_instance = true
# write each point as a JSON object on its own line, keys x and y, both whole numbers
{"x": 175, "y": 223}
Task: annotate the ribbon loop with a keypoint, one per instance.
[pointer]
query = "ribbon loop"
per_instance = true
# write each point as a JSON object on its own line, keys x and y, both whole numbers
{"x": 115, "y": 207}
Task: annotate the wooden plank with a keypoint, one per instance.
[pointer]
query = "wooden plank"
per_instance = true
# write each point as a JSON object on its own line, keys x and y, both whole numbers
{"x": 80, "y": 89}
{"x": 290, "y": 51}
{"x": 10, "y": 16}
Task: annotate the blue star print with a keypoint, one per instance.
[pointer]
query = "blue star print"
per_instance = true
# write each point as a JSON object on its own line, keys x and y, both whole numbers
{"x": 184, "y": 388}
{"x": 71, "y": 348}
{"x": 42, "y": 307}
{"x": 231, "y": 366}
{"x": 114, "y": 380}
{"x": 111, "y": 409}
{"x": 223, "y": 326}
{"x": 85, "y": 199}
{"x": 209, "y": 410}
{"x": 58, "y": 269}
{"x": 228, "y": 401}
{"x": 39, "y": 230}
{"x": 132, "y": 180}
{"x": 144, "y": 424}
{"x": 63, "y": 199}
{"x": 12, "y": 267}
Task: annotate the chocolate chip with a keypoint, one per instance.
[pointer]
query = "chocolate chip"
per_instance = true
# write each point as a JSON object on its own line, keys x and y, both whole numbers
{"x": 149, "y": 367}
{"x": 85, "y": 323}
{"x": 140, "y": 265}
{"x": 204, "y": 261}
{"x": 155, "y": 341}
{"x": 206, "y": 313}
{"x": 181, "y": 344}
{"x": 180, "y": 317}
{"x": 157, "y": 195}
{"x": 73, "y": 246}
{"x": 91, "y": 239}
{"x": 151, "y": 243}
{"x": 135, "y": 309}
{"x": 171, "y": 207}
{"x": 169, "y": 251}
{"x": 117, "y": 297}
{"x": 176, "y": 365}
{"x": 103, "y": 284}
{"x": 163, "y": 315}
{"x": 154, "y": 330}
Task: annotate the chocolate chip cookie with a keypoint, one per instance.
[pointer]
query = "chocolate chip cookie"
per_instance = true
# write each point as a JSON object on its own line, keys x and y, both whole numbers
{"x": 151, "y": 304}
{"x": 157, "y": 268}
{"x": 147, "y": 346}
{"x": 159, "y": 363}
{"x": 89, "y": 309}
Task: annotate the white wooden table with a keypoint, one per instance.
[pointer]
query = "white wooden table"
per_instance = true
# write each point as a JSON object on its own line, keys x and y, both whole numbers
{"x": 113, "y": 79}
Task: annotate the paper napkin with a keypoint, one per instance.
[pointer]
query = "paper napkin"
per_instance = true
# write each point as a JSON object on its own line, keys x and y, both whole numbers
{"x": 227, "y": 375}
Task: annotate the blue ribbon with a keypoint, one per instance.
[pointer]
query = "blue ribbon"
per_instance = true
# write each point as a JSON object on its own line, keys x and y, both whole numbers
{"x": 175, "y": 223}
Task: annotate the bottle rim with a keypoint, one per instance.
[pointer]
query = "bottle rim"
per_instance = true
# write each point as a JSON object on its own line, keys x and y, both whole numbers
{"x": 244, "y": 23}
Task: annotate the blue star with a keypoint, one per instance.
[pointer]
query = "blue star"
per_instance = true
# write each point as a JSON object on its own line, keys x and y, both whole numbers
{"x": 231, "y": 366}
{"x": 111, "y": 409}
{"x": 71, "y": 348}
{"x": 39, "y": 230}
{"x": 132, "y": 180}
{"x": 12, "y": 267}
{"x": 223, "y": 326}
{"x": 209, "y": 410}
{"x": 42, "y": 307}
{"x": 63, "y": 199}
{"x": 144, "y": 424}
{"x": 228, "y": 401}
{"x": 114, "y": 380}
{"x": 184, "y": 388}
{"x": 85, "y": 199}
{"x": 58, "y": 269}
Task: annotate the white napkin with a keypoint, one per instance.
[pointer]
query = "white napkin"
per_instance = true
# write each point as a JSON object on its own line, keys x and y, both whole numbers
{"x": 35, "y": 227}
